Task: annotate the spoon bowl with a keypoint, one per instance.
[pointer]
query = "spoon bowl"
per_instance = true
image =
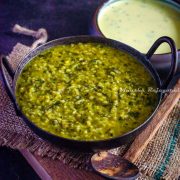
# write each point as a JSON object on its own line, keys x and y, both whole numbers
{"x": 114, "y": 167}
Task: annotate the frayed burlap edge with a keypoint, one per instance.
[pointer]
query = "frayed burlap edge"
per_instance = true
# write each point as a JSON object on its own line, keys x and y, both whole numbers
{"x": 161, "y": 158}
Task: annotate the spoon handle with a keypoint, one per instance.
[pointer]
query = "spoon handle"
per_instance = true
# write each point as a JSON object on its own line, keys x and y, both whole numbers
{"x": 142, "y": 140}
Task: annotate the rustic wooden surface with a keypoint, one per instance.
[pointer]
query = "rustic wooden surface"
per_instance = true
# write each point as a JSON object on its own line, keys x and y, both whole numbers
{"x": 48, "y": 169}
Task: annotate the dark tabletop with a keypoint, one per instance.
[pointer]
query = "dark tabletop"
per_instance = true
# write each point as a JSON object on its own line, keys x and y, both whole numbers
{"x": 60, "y": 18}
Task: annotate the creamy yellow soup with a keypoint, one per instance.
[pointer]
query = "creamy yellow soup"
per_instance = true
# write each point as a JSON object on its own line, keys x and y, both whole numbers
{"x": 139, "y": 23}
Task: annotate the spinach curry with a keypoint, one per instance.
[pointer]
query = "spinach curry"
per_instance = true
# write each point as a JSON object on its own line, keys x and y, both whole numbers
{"x": 85, "y": 91}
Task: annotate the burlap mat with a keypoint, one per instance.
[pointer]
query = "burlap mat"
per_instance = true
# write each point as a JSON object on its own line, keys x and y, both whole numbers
{"x": 160, "y": 160}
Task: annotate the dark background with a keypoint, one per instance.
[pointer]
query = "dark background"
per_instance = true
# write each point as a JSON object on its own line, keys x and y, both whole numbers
{"x": 60, "y": 18}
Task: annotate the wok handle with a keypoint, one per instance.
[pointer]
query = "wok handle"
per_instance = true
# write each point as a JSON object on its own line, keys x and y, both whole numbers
{"x": 5, "y": 66}
{"x": 174, "y": 57}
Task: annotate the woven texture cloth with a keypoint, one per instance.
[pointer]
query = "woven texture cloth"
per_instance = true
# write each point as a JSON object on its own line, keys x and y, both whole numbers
{"x": 160, "y": 160}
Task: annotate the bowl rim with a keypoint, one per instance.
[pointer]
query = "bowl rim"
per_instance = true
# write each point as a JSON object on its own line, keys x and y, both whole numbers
{"x": 99, "y": 8}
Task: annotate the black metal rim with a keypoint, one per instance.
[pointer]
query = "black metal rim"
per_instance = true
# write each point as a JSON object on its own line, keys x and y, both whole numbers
{"x": 140, "y": 57}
